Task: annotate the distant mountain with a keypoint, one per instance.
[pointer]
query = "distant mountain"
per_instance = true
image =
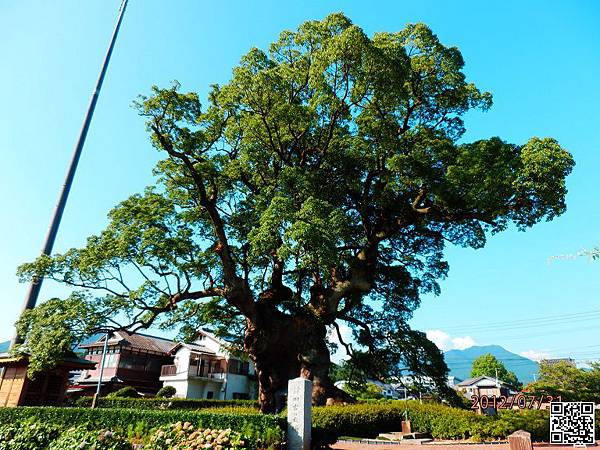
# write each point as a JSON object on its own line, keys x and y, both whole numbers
{"x": 4, "y": 346}
{"x": 459, "y": 361}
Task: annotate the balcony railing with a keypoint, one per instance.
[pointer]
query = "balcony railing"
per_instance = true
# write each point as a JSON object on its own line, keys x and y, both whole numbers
{"x": 168, "y": 371}
{"x": 193, "y": 371}
{"x": 205, "y": 372}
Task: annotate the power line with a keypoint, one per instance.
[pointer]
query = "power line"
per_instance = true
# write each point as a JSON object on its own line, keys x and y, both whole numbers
{"x": 525, "y": 323}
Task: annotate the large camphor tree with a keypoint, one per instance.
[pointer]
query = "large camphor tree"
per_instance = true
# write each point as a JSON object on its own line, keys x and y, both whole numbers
{"x": 316, "y": 189}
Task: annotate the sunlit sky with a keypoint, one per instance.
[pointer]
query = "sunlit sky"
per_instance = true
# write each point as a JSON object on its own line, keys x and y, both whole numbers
{"x": 540, "y": 59}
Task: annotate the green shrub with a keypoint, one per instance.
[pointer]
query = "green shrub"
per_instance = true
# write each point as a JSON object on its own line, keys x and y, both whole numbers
{"x": 161, "y": 403}
{"x": 126, "y": 392}
{"x": 166, "y": 392}
{"x": 257, "y": 427}
{"x": 27, "y": 434}
{"x": 443, "y": 422}
{"x": 84, "y": 439}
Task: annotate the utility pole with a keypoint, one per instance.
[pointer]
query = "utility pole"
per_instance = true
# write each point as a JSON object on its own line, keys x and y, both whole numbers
{"x": 102, "y": 362}
{"x": 36, "y": 283}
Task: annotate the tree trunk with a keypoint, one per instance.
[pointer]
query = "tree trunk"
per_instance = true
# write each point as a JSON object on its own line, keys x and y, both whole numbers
{"x": 284, "y": 347}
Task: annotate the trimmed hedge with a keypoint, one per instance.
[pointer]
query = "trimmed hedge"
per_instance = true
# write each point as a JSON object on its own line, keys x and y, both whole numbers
{"x": 443, "y": 422}
{"x": 126, "y": 392}
{"x": 330, "y": 422}
{"x": 166, "y": 392}
{"x": 33, "y": 428}
{"x": 163, "y": 403}
{"x": 112, "y": 418}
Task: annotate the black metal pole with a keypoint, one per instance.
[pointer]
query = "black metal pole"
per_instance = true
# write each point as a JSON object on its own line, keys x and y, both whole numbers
{"x": 36, "y": 283}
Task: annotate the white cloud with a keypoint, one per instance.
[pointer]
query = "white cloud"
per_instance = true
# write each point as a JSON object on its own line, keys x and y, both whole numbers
{"x": 439, "y": 338}
{"x": 535, "y": 355}
{"x": 460, "y": 343}
{"x": 446, "y": 342}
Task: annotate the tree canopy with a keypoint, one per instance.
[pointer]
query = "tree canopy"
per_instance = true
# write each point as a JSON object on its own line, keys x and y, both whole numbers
{"x": 490, "y": 366}
{"x": 318, "y": 187}
{"x": 571, "y": 383}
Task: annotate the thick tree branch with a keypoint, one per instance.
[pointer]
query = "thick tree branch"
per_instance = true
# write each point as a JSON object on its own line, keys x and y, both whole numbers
{"x": 238, "y": 291}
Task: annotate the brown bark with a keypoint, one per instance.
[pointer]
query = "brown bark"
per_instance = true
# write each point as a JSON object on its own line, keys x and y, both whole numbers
{"x": 283, "y": 347}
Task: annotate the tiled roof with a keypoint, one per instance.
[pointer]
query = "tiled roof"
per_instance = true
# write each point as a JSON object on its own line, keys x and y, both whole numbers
{"x": 199, "y": 348}
{"x": 193, "y": 347}
{"x": 472, "y": 381}
{"x": 136, "y": 341}
{"x": 146, "y": 342}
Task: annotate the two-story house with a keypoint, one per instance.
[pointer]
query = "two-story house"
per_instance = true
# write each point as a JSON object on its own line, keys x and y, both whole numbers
{"x": 132, "y": 359}
{"x": 205, "y": 369}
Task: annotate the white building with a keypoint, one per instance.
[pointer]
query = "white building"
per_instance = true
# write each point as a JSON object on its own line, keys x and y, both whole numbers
{"x": 205, "y": 369}
{"x": 483, "y": 385}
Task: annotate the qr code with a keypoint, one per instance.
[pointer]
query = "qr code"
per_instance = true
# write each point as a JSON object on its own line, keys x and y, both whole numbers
{"x": 572, "y": 423}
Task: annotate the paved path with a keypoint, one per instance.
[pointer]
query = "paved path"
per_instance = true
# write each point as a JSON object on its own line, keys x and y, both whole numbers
{"x": 344, "y": 445}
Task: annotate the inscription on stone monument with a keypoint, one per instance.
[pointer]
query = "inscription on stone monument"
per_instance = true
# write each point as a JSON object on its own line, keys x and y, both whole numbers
{"x": 299, "y": 414}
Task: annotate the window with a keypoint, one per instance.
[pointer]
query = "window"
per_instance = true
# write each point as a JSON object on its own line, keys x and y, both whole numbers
{"x": 109, "y": 361}
{"x": 210, "y": 394}
{"x": 245, "y": 368}
{"x": 238, "y": 367}
{"x": 154, "y": 364}
{"x": 241, "y": 396}
{"x": 135, "y": 362}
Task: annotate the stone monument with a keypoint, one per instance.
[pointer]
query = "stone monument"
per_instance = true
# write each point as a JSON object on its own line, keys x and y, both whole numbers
{"x": 520, "y": 440}
{"x": 299, "y": 414}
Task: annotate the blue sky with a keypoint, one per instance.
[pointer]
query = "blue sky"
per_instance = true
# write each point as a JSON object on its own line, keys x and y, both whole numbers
{"x": 538, "y": 58}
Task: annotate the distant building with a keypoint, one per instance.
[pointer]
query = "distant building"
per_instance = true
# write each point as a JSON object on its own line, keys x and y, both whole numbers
{"x": 427, "y": 383}
{"x": 205, "y": 369}
{"x": 408, "y": 387}
{"x": 554, "y": 361}
{"x": 482, "y": 385}
{"x": 132, "y": 359}
{"x": 395, "y": 391}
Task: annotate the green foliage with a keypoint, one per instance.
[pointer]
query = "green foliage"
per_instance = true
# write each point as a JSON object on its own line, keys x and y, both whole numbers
{"x": 53, "y": 329}
{"x": 160, "y": 403}
{"x": 166, "y": 392}
{"x": 323, "y": 182}
{"x": 370, "y": 391}
{"x": 84, "y": 439}
{"x": 568, "y": 381}
{"x": 490, "y": 366}
{"x": 126, "y": 392}
{"x": 256, "y": 429}
{"x": 443, "y": 422}
{"x": 26, "y": 434}
{"x": 363, "y": 390}
{"x": 116, "y": 418}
